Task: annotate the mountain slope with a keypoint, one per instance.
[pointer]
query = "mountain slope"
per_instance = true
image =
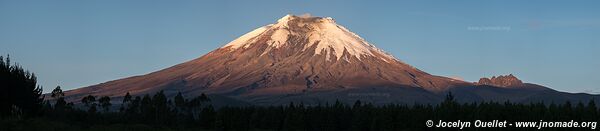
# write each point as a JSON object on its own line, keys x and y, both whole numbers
{"x": 297, "y": 54}
{"x": 298, "y": 58}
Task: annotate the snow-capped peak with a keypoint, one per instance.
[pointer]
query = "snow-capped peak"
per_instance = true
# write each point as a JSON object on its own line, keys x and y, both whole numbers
{"x": 330, "y": 37}
{"x": 285, "y": 18}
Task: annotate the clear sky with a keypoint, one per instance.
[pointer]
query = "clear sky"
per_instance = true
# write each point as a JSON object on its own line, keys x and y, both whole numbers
{"x": 77, "y": 43}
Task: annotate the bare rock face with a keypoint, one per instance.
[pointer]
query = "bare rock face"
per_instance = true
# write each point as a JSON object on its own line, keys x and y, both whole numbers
{"x": 501, "y": 81}
{"x": 295, "y": 55}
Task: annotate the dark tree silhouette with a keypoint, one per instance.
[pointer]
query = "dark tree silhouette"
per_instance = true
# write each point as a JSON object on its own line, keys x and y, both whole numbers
{"x": 157, "y": 112}
{"x": 179, "y": 100}
{"x": 90, "y": 102}
{"x": 58, "y": 95}
{"x": 126, "y": 102}
{"x": 105, "y": 103}
{"x": 180, "y": 104}
{"x": 20, "y": 95}
{"x": 133, "y": 108}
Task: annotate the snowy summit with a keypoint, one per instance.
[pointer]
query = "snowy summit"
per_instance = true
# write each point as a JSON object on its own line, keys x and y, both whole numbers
{"x": 329, "y": 37}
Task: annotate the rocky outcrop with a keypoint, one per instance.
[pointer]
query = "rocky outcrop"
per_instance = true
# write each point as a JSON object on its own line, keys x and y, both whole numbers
{"x": 501, "y": 81}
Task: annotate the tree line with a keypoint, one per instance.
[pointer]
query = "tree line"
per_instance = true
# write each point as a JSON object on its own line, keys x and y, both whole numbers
{"x": 177, "y": 113}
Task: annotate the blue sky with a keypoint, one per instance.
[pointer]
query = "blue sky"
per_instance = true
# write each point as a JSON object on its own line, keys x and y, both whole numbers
{"x": 76, "y": 43}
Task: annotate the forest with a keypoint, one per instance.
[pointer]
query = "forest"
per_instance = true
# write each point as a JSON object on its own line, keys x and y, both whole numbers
{"x": 23, "y": 108}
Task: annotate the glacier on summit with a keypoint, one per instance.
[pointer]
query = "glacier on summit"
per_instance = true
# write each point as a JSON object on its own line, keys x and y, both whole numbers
{"x": 328, "y": 36}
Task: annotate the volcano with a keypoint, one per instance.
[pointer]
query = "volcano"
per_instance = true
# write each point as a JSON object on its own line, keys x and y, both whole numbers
{"x": 305, "y": 59}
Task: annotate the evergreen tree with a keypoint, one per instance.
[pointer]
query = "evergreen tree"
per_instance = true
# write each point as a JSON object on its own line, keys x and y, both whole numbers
{"x": 20, "y": 93}
{"x": 147, "y": 109}
{"x": 179, "y": 100}
{"x": 195, "y": 105}
{"x": 160, "y": 107}
{"x": 180, "y": 104}
{"x": 134, "y": 106}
